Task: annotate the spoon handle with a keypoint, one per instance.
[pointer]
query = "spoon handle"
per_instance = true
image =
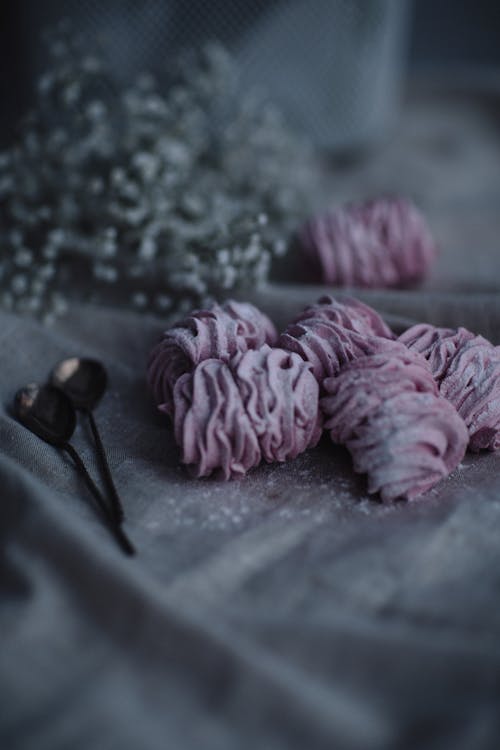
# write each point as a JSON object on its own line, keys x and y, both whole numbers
{"x": 116, "y": 505}
{"x": 114, "y": 527}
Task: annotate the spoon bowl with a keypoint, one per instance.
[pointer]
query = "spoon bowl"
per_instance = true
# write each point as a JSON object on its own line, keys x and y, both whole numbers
{"x": 46, "y": 411}
{"x": 84, "y": 381}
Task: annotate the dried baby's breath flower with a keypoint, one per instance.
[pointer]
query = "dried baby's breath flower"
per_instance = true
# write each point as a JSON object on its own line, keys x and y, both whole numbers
{"x": 158, "y": 197}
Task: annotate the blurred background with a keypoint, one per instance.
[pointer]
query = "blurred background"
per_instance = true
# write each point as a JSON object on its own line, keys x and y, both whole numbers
{"x": 334, "y": 66}
{"x": 395, "y": 97}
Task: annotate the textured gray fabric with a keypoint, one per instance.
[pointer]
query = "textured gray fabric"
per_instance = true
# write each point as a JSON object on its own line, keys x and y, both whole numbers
{"x": 283, "y": 610}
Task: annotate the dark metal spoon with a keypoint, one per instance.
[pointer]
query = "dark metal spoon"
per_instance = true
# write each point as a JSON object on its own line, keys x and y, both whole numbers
{"x": 49, "y": 413}
{"x": 84, "y": 381}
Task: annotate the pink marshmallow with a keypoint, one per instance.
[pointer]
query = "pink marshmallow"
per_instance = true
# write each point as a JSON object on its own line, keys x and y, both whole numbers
{"x": 384, "y": 407}
{"x": 219, "y": 332}
{"x": 467, "y": 370}
{"x": 379, "y": 243}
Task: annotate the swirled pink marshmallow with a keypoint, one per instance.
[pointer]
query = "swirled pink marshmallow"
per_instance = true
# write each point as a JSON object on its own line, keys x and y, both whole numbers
{"x": 219, "y": 332}
{"x": 380, "y": 243}
{"x": 467, "y": 370}
{"x": 386, "y": 410}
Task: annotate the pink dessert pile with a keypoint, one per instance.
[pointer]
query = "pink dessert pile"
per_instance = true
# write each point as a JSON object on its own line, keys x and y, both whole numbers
{"x": 406, "y": 409}
{"x": 379, "y": 243}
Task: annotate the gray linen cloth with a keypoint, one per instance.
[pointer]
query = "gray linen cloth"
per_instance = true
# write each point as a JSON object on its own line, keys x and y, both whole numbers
{"x": 284, "y": 610}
